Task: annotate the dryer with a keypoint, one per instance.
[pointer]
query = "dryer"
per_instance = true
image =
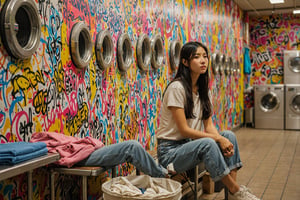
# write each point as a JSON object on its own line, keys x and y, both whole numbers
{"x": 291, "y": 73}
{"x": 292, "y": 106}
{"x": 269, "y": 106}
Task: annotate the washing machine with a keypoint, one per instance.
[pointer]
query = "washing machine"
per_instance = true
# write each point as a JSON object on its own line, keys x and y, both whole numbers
{"x": 292, "y": 106}
{"x": 291, "y": 73}
{"x": 269, "y": 106}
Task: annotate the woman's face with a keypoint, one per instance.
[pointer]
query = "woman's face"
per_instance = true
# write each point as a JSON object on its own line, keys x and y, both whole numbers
{"x": 199, "y": 62}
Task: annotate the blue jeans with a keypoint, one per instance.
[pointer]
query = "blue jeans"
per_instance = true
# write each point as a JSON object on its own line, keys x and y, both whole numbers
{"x": 128, "y": 151}
{"x": 186, "y": 154}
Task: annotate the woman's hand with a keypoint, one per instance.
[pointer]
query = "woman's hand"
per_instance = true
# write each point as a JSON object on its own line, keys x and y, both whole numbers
{"x": 226, "y": 146}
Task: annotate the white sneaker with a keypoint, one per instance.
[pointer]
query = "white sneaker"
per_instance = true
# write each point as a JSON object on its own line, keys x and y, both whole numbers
{"x": 243, "y": 194}
{"x": 171, "y": 169}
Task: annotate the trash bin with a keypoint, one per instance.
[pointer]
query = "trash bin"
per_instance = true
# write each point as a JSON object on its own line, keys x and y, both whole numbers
{"x": 141, "y": 187}
{"x": 249, "y": 116}
{"x": 249, "y": 106}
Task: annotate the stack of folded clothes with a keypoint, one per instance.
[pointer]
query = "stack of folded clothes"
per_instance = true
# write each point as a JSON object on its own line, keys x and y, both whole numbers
{"x": 16, "y": 152}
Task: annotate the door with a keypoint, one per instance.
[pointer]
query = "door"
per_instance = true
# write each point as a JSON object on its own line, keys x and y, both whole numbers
{"x": 295, "y": 103}
{"x": 294, "y": 63}
{"x": 269, "y": 102}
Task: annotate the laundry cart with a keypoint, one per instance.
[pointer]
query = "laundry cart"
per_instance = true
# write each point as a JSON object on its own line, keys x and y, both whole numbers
{"x": 141, "y": 187}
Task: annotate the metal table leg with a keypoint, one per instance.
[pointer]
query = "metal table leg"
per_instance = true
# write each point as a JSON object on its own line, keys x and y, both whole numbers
{"x": 29, "y": 174}
{"x": 52, "y": 187}
{"x": 84, "y": 187}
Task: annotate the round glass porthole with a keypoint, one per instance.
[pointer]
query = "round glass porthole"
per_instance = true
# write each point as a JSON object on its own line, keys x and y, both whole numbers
{"x": 80, "y": 45}
{"x": 175, "y": 48}
{"x": 269, "y": 102}
{"x": 294, "y": 64}
{"x": 215, "y": 63}
{"x": 157, "y": 52}
{"x": 104, "y": 49}
{"x": 222, "y": 64}
{"x": 20, "y": 28}
{"x": 295, "y": 103}
{"x": 235, "y": 66}
{"x": 232, "y": 68}
{"x": 229, "y": 66}
{"x": 143, "y": 52}
{"x": 124, "y": 52}
{"x": 226, "y": 66}
{"x": 238, "y": 69}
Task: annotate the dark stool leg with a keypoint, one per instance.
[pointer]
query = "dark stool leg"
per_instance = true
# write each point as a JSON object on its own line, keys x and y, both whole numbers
{"x": 113, "y": 172}
{"x": 226, "y": 193}
{"x": 196, "y": 173}
{"x": 138, "y": 172}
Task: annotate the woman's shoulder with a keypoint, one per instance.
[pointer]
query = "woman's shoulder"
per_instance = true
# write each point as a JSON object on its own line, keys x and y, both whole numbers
{"x": 176, "y": 84}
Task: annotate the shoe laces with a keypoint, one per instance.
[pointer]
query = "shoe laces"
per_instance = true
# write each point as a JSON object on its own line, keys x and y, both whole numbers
{"x": 246, "y": 188}
{"x": 246, "y": 192}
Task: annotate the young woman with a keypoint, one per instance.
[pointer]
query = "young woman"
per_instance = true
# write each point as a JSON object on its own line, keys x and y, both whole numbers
{"x": 186, "y": 107}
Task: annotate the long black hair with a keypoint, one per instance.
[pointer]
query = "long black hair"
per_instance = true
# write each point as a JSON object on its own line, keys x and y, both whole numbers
{"x": 188, "y": 51}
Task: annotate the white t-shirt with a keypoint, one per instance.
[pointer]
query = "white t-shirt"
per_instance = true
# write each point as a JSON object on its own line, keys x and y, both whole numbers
{"x": 175, "y": 96}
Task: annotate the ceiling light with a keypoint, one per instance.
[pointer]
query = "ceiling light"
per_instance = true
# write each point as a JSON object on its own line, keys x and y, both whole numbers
{"x": 296, "y": 11}
{"x": 276, "y": 1}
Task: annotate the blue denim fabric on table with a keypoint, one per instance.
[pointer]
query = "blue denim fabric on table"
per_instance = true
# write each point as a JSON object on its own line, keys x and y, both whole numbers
{"x": 186, "y": 154}
{"x": 128, "y": 151}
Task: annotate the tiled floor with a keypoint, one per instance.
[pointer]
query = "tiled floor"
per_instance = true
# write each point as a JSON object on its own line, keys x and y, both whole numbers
{"x": 271, "y": 161}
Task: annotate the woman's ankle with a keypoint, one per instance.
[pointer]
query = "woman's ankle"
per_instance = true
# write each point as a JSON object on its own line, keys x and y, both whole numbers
{"x": 231, "y": 185}
{"x": 234, "y": 189}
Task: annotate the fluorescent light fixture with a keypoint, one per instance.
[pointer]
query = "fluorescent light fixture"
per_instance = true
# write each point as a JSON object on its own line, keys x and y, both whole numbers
{"x": 276, "y": 1}
{"x": 296, "y": 11}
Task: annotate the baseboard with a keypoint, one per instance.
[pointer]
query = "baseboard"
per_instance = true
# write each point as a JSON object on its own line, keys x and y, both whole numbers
{"x": 236, "y": 127}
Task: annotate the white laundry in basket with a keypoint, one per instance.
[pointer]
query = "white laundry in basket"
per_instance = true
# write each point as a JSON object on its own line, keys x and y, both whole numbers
{"x": 141, "y": 187}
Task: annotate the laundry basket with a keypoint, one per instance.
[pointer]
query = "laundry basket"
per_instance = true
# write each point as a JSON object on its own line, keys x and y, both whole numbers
{"x": 141, "y": 187}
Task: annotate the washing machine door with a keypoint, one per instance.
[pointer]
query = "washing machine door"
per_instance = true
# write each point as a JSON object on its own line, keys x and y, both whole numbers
{"x": 294, "y": 64}
{"x": 269, "y": 102}
{"x": 295, "y": 103}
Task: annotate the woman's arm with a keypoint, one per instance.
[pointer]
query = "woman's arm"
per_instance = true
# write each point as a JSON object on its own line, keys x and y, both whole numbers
{"x": 225, "y": 144}
{"x": 209, "y": 126}
{"x": 185, "y": 130}
{"x": 211, "y": 131}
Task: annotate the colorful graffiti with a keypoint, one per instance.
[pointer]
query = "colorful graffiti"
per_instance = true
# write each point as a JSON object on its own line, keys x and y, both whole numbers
{"x": 269, "y": 37}
{"x": 48, "y": 93}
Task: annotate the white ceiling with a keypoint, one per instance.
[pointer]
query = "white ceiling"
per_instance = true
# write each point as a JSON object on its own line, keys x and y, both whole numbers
{"x": 264, "y": 7}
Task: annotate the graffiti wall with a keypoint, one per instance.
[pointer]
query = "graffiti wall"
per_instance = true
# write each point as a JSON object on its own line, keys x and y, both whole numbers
{"x": 269, "y": 37}
{"x": 48, "y": 93}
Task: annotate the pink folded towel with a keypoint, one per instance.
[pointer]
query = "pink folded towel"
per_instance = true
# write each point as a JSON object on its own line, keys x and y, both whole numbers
{"x": 71, "y": 149}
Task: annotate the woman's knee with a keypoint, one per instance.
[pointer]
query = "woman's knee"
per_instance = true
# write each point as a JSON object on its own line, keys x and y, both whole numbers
{"x": 207, "y": 143}
{"x": 132, "y": 143}
{"x": 229, "y": 134}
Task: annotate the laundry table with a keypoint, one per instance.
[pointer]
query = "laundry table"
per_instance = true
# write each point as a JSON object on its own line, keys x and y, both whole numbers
{"x": 8, "y": 171}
